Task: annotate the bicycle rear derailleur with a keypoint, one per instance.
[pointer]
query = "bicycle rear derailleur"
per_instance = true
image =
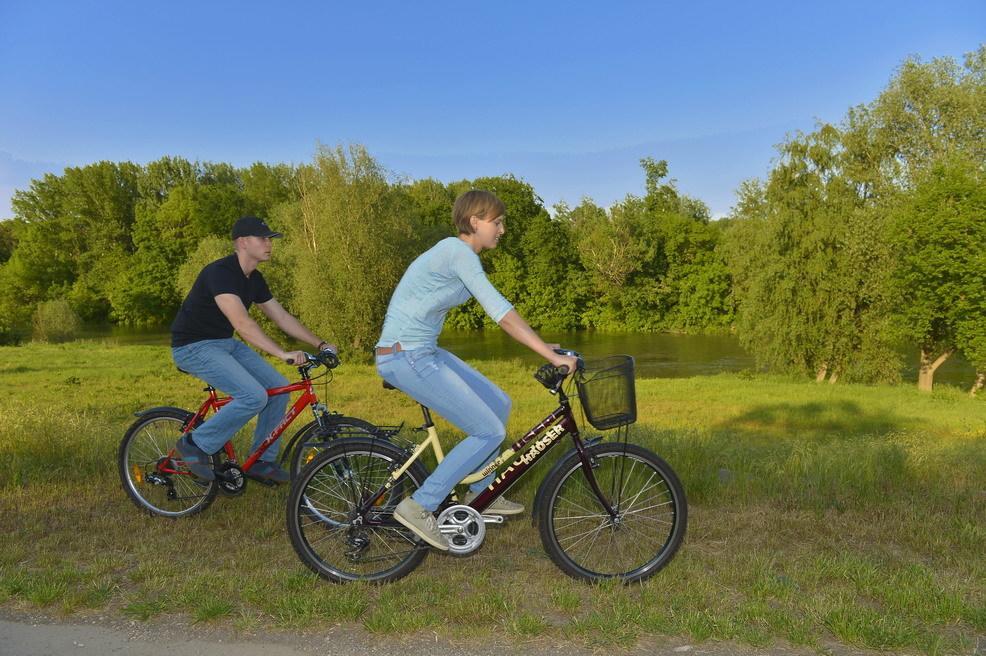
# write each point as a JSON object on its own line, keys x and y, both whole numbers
{"x": 465, "y": 528}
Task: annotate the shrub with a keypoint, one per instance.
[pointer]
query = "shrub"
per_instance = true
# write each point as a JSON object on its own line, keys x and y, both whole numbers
{"x": 55, "y": 321}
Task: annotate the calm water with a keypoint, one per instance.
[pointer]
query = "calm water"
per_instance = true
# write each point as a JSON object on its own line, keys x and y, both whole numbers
{"x": 658, "y": 355}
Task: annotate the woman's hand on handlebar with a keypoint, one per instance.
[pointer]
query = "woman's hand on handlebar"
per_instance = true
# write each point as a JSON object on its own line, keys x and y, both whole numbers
{"x": 569, "y": 361}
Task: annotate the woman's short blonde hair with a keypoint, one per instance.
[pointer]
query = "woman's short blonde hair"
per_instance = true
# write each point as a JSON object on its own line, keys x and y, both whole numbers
{"x": 479, "y": 203}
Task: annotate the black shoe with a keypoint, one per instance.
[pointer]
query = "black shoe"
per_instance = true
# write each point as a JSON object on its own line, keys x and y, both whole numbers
{"x": 268, "y": 472}
{"x": 196, "y": 460}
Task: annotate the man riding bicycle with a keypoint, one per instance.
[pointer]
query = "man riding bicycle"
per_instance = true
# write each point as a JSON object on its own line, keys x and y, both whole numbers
{"x": 202, "y": 344}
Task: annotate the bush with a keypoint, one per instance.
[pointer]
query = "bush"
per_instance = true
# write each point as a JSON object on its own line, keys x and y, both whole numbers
{"x": 55, "y": 321}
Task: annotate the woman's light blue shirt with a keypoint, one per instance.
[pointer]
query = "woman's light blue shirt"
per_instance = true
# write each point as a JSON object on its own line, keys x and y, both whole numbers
{"x": 446, "y": 275}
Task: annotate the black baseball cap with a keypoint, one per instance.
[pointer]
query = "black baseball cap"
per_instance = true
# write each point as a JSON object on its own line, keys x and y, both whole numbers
{"x": 251, "y": 226}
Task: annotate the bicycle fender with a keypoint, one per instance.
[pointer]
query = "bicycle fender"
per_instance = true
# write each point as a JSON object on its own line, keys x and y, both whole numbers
{"x": 539, "y": 495}
{"x": 171, "y": 408}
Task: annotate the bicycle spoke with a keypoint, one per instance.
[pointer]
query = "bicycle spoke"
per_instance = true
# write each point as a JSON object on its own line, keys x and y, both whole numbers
{"x": 333, "y": 544}
{"x": 644, "y": 505}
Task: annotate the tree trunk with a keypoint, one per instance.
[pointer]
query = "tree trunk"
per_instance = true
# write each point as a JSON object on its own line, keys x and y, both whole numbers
{"x": 833, "y": 377}
{"x": 978, "y": 385}
{"x": 821, "y": 373}
{"x": 926, "y": 374}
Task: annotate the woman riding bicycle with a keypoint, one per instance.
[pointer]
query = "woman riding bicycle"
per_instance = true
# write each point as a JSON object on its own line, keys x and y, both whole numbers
{"x": 407, "y": 357}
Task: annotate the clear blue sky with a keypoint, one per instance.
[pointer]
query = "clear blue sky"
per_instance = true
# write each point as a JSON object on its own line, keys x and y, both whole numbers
{"x": 567, "y": 95}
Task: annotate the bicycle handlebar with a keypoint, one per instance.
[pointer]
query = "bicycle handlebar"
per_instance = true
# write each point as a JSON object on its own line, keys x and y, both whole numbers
{"x": 551, "y": 376}
{"x": 326, "y": 357}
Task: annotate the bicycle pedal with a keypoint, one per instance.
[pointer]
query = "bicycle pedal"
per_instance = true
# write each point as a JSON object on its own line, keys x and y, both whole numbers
{"x": 492, "y": 519}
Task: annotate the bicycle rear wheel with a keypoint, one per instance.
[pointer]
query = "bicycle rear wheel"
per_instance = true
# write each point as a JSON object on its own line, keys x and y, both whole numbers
{"x": 651, "y": 514}
{"x": 328, "y": 532}
{"x": 147, "y": 448}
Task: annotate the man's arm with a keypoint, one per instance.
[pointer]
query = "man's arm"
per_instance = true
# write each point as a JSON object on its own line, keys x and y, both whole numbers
{"x": 231, "y": 306}
{"x": 290, "y": 325}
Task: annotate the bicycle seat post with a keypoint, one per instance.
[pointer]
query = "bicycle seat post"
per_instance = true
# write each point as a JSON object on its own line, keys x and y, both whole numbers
{"x": 427, "y": 415}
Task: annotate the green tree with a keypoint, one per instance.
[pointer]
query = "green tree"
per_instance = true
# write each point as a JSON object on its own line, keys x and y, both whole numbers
{"x": 73, "y": 224}
{"x": 807, "y": 256}
{"x": 8, "y": 239}
{"x": 940, "y": 233}
{"x": 266, "y": 186}
{"x": 352, "y": 238}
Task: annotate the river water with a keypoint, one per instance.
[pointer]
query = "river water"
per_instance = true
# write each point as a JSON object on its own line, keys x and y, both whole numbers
{"x": 657, "y": 355}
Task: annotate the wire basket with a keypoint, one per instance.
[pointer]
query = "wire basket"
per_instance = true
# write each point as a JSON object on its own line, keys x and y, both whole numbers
{"x": 607, "y": 392}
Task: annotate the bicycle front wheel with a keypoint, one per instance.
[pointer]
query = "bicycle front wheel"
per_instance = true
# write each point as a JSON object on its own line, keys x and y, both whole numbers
{"x": 312, "y": 439}
{"x": 151, "y": 474}
{"x": 329, "y": 531}
{"x": 651, "y": 514}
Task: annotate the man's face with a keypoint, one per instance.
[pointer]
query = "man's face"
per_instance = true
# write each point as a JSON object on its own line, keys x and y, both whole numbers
{"x": 258, "y": 248}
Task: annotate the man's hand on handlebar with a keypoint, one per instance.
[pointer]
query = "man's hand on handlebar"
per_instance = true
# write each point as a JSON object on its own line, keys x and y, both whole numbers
{"x": 297, "y": 358}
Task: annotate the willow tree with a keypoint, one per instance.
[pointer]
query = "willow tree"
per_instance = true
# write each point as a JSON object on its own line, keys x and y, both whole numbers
{"x": 351, "y": 238}
{"x": 808, "y": 257}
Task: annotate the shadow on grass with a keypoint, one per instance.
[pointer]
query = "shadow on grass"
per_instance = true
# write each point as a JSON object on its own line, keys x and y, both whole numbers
{"x": 818, "y": 456}
{"x": 813, "y": 420}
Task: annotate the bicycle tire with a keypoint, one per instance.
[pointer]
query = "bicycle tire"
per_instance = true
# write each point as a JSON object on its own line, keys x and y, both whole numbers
{"x": 311, "y": 439}
{"x": 320, "y": 518}
{"x": 652, "y": 514}
{"x": 149, "y": 440}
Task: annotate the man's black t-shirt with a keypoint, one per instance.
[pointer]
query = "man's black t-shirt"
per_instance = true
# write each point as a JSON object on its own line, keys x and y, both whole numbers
{"x": 199, "y": 317}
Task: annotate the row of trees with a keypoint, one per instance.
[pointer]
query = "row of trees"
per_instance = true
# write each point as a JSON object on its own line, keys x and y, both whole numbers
{"x": 865, "y": 235}
{"x": 115, "y": 240}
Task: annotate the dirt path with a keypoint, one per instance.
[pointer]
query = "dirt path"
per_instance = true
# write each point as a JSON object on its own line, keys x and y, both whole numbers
{"x": 23, "y": 634}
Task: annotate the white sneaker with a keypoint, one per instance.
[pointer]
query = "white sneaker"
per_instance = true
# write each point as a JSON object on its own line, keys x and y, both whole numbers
{"x": 413, "y": 515}
{"x": 499, "y": 507}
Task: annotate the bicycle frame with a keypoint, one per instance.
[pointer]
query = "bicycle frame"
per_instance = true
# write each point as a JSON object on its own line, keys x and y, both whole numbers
{"x": 214, "y": 402}
{"x": 549, "y": 430}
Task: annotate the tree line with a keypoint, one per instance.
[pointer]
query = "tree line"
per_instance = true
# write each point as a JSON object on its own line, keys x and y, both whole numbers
{"x": 865, "y": 235}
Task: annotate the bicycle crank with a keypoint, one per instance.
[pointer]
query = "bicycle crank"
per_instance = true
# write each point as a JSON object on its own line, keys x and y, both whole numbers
{"x": 231, "y": 479}
{"x": 465, "y": 528}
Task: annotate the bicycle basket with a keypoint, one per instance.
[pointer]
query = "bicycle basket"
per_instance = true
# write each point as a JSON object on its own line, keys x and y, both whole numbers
{"x": 607, "y": 392}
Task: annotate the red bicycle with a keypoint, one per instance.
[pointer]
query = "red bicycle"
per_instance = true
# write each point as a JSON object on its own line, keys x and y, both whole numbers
{"x": 157, "y": 481}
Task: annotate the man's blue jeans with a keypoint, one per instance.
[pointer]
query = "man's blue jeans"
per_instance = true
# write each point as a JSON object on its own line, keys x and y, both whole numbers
{"x": 235, "y": 368}
{"x": 462, "y": 395}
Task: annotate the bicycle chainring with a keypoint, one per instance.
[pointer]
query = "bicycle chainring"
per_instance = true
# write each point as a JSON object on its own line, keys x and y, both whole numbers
{"x": 231, "y": 480}
{"x": 464, "y": 527}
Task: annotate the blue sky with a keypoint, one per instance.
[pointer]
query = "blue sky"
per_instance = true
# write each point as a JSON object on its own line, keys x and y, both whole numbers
{"x": 567, "y": 95}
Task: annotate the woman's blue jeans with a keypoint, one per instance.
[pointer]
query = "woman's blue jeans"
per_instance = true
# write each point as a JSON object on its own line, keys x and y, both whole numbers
{"x": 441, "y": 381}
{"x": 235, "y": 368}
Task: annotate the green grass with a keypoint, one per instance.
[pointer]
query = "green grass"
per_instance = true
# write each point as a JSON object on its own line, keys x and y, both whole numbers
{"x": 818, "y": 514}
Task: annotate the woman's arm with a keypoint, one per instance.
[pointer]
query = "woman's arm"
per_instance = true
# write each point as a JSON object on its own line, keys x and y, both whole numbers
{"x": 515, "y": 326}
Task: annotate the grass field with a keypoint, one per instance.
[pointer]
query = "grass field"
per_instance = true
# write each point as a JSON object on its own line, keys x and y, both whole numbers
{"x": 818, "y": 514}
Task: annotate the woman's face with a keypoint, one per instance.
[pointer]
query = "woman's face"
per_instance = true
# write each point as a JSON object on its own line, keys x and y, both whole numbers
{"x": 487, "y": 233}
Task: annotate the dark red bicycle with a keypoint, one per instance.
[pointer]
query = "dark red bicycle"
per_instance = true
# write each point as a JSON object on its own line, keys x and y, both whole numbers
{"x": 157, "y": 480}
{"x": 605, "y": 510}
